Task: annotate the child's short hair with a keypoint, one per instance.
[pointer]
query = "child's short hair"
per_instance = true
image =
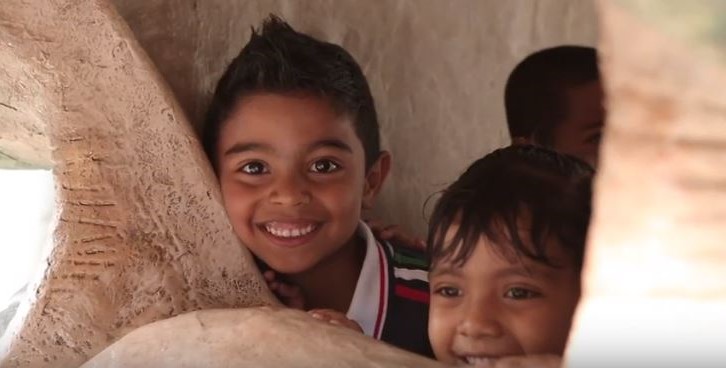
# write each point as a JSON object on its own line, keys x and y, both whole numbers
{"x": 534, "y": 97}
{"x": 278, "y": 59}
{"x": 514, "y": 188}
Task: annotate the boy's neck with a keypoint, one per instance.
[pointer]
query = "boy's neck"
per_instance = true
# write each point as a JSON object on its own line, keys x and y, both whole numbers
{"x": 331, "y": 284}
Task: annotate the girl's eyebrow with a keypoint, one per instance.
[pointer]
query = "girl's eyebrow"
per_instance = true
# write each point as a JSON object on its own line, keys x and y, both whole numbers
{"x": 242, "y": 147}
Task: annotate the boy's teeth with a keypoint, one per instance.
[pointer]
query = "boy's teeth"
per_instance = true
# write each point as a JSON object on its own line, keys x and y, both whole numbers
{"x": 289, "y": 233}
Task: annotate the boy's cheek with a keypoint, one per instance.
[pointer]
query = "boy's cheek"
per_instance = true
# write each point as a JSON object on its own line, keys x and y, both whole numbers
{"x": 340, "y": 200}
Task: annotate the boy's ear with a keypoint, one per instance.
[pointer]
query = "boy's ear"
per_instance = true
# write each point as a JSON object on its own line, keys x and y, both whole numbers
{"x": 375, "y": 177}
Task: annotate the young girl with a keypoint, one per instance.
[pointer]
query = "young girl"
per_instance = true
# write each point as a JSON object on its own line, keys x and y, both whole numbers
{"x": 506, "y": 242}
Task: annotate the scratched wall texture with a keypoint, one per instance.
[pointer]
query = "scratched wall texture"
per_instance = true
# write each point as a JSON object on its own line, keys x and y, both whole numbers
{"x": 139, "y": 232}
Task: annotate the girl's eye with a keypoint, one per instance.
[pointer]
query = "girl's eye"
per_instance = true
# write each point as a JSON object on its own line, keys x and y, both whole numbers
{"x": 519, "y": 293}
{"x": 324, "y": 166}
{"x": 254, "y": 168}
{"x": 448, "y": 292}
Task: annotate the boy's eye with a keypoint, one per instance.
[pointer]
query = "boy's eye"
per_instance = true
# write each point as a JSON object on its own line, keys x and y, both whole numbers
{"x": 594, "y": 138}
{"x": 448, "y": 292}
{"x": 518, "y": 293}
{"x": 254, "y": 168}
{"x": 324, "y": 166}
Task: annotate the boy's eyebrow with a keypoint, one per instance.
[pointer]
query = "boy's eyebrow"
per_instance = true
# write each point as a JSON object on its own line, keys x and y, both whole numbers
{"x": 247, "y": 146}
{"x": 331, "y": 143}
{"x": 445, "y": 270}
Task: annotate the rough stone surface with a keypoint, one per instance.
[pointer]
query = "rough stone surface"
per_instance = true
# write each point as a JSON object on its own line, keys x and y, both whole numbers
{"x": 23, "y": 140}
{"x": 141, "y": 234}
{"x": 233, "y": 338}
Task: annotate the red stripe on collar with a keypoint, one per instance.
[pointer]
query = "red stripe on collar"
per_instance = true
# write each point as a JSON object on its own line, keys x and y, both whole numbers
{"x": 411, "y": 294}
{"x": 383, "y": 292}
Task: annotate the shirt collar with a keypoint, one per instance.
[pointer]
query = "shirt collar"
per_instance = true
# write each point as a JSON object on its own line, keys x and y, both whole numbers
{"x": 365, "y": 307}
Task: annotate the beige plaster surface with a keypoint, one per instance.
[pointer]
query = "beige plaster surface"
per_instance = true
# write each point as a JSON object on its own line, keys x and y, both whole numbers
{"x": 23, "y": 141}
{"x": 251, "y": 337}
{"x": 140, "y": 232}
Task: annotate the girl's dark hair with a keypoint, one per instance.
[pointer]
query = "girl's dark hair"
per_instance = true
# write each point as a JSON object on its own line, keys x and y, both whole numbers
{"x": 278, "y": 59}
{"x": 511, "y": 189}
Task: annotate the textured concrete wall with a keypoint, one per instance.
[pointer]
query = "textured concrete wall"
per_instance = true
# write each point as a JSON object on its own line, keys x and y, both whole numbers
{"x": 437, "y": 68}
{"x": 140, "y": 233}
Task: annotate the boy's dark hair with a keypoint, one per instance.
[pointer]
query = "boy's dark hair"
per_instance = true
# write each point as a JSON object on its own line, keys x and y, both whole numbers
{"x": 278, "y": 59}
{"x": 534, "y": 97}
{"x": 546, "y": 192}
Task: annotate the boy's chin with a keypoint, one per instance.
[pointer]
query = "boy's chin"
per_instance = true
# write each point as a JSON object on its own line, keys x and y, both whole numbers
{"x": 292, "y": 268}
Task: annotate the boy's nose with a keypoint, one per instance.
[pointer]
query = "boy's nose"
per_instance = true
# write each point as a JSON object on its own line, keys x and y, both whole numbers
{"x": 480, "y": 321}
{"x": 290, "y": 190}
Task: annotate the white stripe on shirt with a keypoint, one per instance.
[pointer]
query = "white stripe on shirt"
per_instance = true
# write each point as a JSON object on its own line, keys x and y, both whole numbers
{"x": 411, "y": 274}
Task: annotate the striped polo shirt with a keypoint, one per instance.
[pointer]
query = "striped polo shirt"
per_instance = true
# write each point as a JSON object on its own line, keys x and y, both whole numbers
{"x": 391, "y": 299}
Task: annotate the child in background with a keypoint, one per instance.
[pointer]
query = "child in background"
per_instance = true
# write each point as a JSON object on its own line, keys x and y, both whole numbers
{"x": 293, "y": 137}
{"x": 554, "y": 98}
{"x": 506, "y": 244}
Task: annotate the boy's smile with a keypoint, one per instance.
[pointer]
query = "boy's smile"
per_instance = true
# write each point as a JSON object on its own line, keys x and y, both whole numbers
{"x": 293, "y": 179}
{"x": 290, "y": 233}
{"x": 497, "y": 305}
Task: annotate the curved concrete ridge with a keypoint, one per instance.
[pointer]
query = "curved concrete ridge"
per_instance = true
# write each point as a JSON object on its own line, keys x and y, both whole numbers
{"x": 231, "y": 338}
{"x": 141, "y": 234}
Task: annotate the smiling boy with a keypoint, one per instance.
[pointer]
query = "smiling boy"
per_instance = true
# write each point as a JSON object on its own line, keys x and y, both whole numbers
{"x": 293, "y": 136}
